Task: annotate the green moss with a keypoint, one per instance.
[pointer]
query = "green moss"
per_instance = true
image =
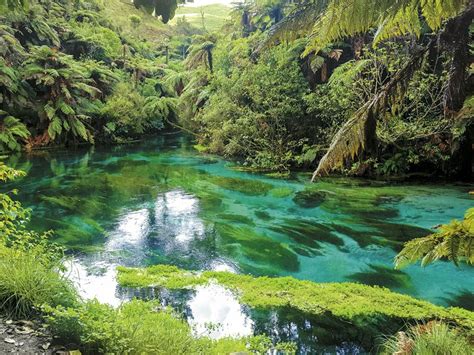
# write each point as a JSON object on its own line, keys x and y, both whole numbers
{"x": 363, "y": 306}
{"x": 248, "y": 187}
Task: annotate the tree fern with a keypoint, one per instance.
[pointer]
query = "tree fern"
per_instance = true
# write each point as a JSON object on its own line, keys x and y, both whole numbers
{"x": 453, "y": 241}
{"x": 63, "y": 82}
{"x": 12, "y": 131}
{"x": 390, "y": 18}
{"x": 14, "y": 4}
{"x": 200, "y": 52}
{"x": 359, "y": 132}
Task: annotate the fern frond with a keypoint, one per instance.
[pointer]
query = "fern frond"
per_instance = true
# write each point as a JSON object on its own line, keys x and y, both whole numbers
{"x": 453, "y": 241}
{"x": 297, "y": 24}
{"x": 359, "y": 132}
{"x": 392, "y": 18}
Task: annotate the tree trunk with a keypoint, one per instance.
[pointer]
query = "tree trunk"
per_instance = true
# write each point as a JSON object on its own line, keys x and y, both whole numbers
{"x": 210, "y": 61}
{"x": 455, "y": 39}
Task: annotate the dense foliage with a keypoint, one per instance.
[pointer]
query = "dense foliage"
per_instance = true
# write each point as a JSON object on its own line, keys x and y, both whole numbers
{"x": 69, "y": 75}
{"x": 29, "y": 265}
{"x": 391, "y": 100}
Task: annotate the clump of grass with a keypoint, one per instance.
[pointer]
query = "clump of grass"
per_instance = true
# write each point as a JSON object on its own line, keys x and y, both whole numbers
{"x": 432, "y": 338}
{"x": 27, "y": 282}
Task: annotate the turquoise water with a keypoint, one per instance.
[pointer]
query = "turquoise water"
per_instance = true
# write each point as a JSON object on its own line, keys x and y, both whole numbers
{"x": 160, "y": 201}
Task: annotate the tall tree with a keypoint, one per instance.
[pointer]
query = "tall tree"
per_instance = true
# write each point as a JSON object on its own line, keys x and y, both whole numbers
{"x": 164, "y": 8}
{"x": 200, "y": 52}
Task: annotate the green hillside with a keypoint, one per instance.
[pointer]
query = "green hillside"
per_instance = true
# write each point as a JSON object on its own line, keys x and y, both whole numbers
{"x": 215, "y": 15}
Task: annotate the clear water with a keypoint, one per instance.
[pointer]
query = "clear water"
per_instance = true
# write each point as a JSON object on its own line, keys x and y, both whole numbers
{"x": 160, "y": 201}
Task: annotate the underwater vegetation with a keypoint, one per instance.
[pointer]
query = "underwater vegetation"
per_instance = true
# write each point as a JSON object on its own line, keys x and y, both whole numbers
{"x": 463, "y": 299}
{"x": 257, "y": 251}
{"x": 246, "y": 221}
{"x": 245, "y": 186}
{"x": 381, "y": 275}
{"x": 309, "y": 198}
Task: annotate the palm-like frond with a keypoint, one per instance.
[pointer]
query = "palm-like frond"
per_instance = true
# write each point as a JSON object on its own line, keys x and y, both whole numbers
{"x": 453, "y": 241}
{"x": 327, "y": 21}
{"x": 358, "y": 133}
{"x": 200, "y": 52}
{"x": 10, "y": 47}
{"x": 12, "y": 130}
{"x": 14, "y": 4}
{"x": 298, "y": 23}
{"x": 391, "y": 18}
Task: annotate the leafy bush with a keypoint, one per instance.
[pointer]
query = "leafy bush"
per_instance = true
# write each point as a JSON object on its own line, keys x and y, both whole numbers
{"x": 106, "y": 43}
{"x": 257, "y": 113}
{"x": 11, "y": 132}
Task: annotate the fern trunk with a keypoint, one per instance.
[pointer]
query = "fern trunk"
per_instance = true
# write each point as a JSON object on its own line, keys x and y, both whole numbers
{"x": 455, "y": 39}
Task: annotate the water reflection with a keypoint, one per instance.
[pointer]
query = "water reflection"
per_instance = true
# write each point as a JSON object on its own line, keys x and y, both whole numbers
{"x": 216, "y": 306}
{"x": 176, "y": 220}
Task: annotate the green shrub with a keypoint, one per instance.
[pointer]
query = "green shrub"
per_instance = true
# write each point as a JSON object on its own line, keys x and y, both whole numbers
{"x": 135, "y": 21}
{"x": 107, "y": 40}
{"x": 433, "y": 338}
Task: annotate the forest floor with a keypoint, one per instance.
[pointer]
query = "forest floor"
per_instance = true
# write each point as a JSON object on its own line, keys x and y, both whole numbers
{"x": 27, "y": 337}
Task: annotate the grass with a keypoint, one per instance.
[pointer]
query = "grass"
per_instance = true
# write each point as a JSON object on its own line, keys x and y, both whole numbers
{"x": 27, "y": 283}
{"x": 215, "y": 16}
{"x": 150, "y": 28}
{"x": 432, "y": 338}
{"x": 139, "y": 327}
